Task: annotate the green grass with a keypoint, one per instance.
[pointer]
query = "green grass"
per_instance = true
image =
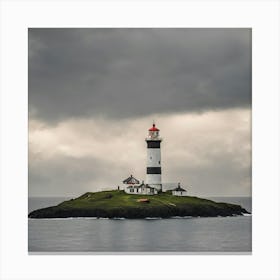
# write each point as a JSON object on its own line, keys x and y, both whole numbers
{"x": 120, "y": 204}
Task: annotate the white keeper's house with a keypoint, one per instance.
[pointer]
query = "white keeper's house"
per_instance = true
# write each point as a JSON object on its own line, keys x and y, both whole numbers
{"x": 132, "y": 186}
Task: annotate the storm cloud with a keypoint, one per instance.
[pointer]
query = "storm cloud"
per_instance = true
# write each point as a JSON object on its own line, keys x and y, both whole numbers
{"x": 122, "y": 73}
{"x": 93, "y": 93}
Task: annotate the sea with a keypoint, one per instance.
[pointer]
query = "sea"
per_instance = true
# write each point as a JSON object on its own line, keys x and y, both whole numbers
{"x": 177, "y": 235}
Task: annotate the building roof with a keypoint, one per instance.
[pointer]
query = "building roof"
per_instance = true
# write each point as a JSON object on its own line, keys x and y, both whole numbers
{"x": 179, "y": 189}
{"x": 153, "y": 128}
{"x": 149, "y": 187}
{"x": 146, "y": 186}
{"x": 131, "y": 180}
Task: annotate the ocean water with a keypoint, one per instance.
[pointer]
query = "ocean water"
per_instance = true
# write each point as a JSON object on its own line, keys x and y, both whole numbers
{"x": 175, "y": 235}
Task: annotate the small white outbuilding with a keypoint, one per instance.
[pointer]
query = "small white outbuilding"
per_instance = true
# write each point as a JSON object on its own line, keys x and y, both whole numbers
{"x": 178, "y": 191}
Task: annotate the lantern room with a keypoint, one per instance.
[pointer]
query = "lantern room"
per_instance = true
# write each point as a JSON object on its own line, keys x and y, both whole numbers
{"x": 153, "y": 132}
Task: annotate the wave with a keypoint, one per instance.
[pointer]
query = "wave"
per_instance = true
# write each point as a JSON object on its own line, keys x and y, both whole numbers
{"x": 147, "y": 218}
{"x": 69, "y": 218}
{"x": 246, "y": 214}
{"x": 181, "y": 217}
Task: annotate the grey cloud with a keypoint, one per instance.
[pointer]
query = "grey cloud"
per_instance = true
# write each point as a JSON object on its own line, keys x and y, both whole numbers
{"x": 223, "y": 177}
{"x": 119, "y": 73}
{"x": 68, "y": 176}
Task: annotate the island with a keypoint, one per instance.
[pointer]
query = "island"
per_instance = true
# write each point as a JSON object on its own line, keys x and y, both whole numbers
{"x": 118, "y": 204}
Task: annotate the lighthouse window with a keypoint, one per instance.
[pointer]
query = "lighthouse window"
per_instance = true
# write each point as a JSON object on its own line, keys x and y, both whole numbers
{"x": 153, "y": 144}
{"x": 159, "y": 162}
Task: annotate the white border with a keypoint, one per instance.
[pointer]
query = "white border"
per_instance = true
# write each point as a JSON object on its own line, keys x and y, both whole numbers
{"x": 17, "y": 16}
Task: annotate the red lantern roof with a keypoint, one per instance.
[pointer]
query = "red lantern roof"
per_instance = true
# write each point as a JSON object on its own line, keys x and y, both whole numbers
{"x": 153, "y": 128}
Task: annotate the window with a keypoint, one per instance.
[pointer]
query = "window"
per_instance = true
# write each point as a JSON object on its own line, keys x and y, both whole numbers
{"x": 159, "y": 162}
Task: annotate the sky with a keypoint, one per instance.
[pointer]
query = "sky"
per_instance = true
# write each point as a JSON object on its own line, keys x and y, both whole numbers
{"x": 94, "y": 93}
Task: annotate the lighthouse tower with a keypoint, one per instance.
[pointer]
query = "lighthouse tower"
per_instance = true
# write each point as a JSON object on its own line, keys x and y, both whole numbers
{"x": 153, "y": 175}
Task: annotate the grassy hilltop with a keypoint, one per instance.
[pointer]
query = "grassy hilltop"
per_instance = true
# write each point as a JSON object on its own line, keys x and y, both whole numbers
{"x": 117, "y": 204}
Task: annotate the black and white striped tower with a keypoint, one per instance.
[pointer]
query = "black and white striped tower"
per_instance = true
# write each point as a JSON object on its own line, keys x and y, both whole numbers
{"x": 153, "y": 175}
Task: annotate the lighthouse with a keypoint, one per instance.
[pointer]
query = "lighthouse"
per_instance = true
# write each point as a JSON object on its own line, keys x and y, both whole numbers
{"x": 153, "y": 174}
